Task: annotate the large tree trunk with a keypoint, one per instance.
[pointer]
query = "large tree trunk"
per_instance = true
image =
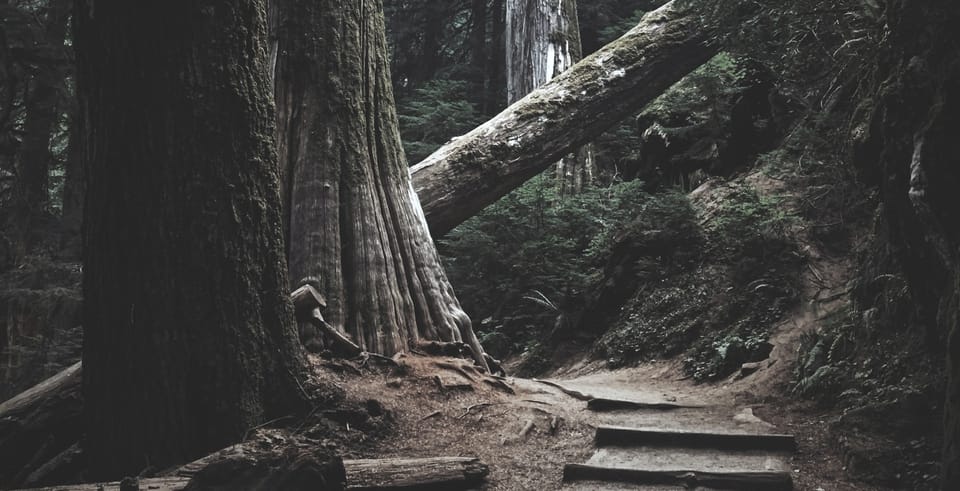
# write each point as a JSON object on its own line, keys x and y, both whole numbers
{"x": 189, "y": 336}
{"x": 466, "y": 175}
{"x": 543, "y": 41}
{"x": 909, "y": 149}
{"x": 355, "y": 221}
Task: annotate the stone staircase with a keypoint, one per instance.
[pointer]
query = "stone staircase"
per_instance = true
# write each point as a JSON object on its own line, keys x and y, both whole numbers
{"x": 657, "y": 445}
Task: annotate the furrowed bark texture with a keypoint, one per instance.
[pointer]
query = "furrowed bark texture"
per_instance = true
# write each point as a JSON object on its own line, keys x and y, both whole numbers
{"x": 908, "y": 148}
{"x": 355, "y": 221}
{"x": 543, "y": 41}
{"x": 189, "y": 335}
{"x": 466, "y": 175}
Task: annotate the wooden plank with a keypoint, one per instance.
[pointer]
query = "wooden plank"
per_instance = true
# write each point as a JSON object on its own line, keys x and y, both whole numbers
{"x": 421, "y": 474}
{"x": 615, "y": 435}
{"x": 754, "y": 481}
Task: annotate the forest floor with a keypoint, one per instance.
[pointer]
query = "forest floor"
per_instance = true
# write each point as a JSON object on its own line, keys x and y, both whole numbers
{"x": 447, "y": 418}
{"x": 457, "y": 415}
{"x": 487, "y": 423}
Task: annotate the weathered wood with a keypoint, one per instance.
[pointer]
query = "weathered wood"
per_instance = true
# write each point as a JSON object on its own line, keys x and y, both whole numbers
{"x": 339, "y": 339}
{"x": 754, "y": 481}
{"x": 61, "y": 468}
{"x": 29, "y": 398}
{"x": 421, "y": 474}
{"x": 615, "y": 435}
{"x": 306, "y": 298}
{"x": 472, "y": 171}
{"x": 39, "y": 424}
{"x": 155, "y": 484}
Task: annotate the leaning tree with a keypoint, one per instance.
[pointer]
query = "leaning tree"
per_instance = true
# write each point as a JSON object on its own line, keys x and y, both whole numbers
{"x": 189, "y": 338}
{"x": 473, "y": 171}
{"x": 355, "y": 222}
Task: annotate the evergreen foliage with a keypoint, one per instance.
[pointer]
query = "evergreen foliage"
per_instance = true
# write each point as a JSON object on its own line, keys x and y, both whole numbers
{"x": 526, "y": 259}
{"x": 433, "y": 114}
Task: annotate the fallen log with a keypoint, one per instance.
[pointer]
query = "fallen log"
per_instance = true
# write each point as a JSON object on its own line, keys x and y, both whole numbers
{"x": 425, "y": 474}
{"x": 758, "y": 481}
{"x": 39, "y": 424}
{"x": 238, "y": 467}
{"x": 470, "y": 172}
{"x": 615, "y": 435}
{"x": 64, "y": 467}
{"x": 155, "y": 484}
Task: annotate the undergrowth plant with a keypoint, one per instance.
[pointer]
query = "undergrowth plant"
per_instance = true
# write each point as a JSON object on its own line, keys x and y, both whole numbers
{"x": 526, "y": 259}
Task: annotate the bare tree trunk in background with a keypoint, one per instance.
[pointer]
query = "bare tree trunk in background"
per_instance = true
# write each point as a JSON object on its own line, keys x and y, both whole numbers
{"x": 543, "y": 41}
{"x": 71, "y": 220}
{"x": 355, "y": 221}
{"x": 189, "y": 338}
{"x": 469, "y": 173}
{"x": 497, "y": 61}
{"x": 478, "y": 53}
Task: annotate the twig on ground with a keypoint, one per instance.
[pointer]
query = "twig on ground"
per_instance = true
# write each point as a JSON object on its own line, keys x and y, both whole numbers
{"x": 526, "y": 428}
{"x": 431, "y": 415}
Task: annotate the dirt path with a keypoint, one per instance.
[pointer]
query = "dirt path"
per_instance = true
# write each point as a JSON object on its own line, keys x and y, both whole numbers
{"x": 487, "y": 423}
{"x": 528, "y": 437}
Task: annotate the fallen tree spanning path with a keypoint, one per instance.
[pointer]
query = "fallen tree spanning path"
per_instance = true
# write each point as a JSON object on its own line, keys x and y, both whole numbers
{"x": 473, "y": 171}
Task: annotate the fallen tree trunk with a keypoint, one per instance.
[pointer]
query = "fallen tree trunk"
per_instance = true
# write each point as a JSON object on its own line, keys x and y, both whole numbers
{"x": 427, "y": 473}
{"x": 39, "y": 424}
{"x": 469, "y": 173}
{"x": 155, "y": 484}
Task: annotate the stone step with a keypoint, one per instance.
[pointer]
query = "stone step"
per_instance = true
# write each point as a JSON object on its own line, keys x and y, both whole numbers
{"x": 753, "y": 481}
{"x": 619, "y": 435}
{"x": 673, "y": 459}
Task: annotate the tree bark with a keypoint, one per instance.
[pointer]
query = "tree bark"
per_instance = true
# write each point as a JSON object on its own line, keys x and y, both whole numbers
{"x": 189, "y": 331}
{"x": 494, "y": 97}
{"x": 469, "y": 173}
{"x": 478, "y": 52}
{"x": 424, "y": 473}
{"x": 543, "y": 41}
{"x": 355, "y": 221}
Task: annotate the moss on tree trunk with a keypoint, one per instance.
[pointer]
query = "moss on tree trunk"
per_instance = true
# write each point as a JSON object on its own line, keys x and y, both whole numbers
{"x": 469, "y": 173}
